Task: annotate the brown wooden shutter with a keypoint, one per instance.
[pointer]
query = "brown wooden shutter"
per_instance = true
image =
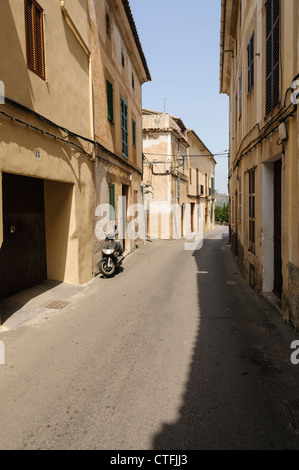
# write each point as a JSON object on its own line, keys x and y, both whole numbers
{"x": 272, "y": 54}
{"x": 35, "y": 38}
{"x": 250, "y": 62}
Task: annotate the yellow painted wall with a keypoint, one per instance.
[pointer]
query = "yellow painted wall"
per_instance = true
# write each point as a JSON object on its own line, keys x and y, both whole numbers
{"x": 64, "y": 98}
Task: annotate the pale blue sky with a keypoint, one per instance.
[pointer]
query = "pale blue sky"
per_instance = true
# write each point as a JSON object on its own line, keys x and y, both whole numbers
{"x": 181, "y": 43}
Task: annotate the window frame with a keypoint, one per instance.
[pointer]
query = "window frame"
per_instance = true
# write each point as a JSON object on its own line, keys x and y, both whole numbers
{"x": 110, "y": 110}
{"x": 35, "y": 46}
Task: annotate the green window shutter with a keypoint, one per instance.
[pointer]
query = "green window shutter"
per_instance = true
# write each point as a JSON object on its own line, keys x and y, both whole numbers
{"x": 134, "y": 132}
{"x": 124, "y": 128}
{"x": 112, "y": 201}
{"x": 109, "y": 101}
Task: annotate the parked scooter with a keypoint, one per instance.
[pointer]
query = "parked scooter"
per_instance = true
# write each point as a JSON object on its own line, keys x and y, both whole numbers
{"x": 112, "y": 254}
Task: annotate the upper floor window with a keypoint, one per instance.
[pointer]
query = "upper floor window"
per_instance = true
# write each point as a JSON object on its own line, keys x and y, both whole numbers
{"x": 35, "y": 38}
{"x": 123, "y": 58}
{"x": 134, "y": 132}
{"x": 109, "y": 101}
{"x": 272, "y": 54}
{"x": 250, "y": 63}
{"x": 133, "y": 81}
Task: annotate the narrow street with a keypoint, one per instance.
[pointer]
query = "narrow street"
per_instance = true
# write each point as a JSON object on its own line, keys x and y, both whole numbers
{"x": 175, "y": 352}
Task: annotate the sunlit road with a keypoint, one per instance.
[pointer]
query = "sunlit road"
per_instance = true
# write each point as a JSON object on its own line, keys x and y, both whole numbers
{"x": 175, "y": 352}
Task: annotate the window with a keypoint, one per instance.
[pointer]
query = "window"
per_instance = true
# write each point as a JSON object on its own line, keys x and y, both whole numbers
{"x": 109, "y": 101}
{"x": 111, "y": 201}
{"x": 240, "y": 93}
{"x": 123, "y": 58}
{"x": 190, "y": 175}
{"x": 252, "y": 211}
{"x": 124, "y": 128}
{"x": 134, "y": 132}
{"x": 133, "y": 81}
{"x": 272, "y": 54}
{"x": 202, "y": 189}
{"x": 250, "y": 63}
{"x": 35, "y": 38}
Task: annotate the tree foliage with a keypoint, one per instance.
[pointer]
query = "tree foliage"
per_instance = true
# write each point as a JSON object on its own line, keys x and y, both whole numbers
{"x": 222, "y": 213}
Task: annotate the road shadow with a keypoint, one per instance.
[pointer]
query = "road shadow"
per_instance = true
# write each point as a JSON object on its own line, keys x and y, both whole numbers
{"x": 11, "y": 305}
{"x": 240, "y": 370}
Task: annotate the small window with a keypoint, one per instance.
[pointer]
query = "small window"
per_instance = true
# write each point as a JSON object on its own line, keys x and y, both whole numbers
{"x": 202, "y": 191}
{"x": 133, "y": 82}
{"x": 134, "y": 132}
{"x": 110, "y": 101}
{"x": 123, "y": 58}
{"x": 35, "y": 38}
{"x": 108, "y": 28}
{"x": 190, "y": 175}
{"x": 250, "y": 63}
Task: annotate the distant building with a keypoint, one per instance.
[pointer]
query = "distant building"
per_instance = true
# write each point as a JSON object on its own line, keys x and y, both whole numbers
{"x": 178, "y": 176}
{"x": 201, "y": 188}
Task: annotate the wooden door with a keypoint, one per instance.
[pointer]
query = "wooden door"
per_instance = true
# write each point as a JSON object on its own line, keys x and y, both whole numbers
{"x": 23, "y": 252}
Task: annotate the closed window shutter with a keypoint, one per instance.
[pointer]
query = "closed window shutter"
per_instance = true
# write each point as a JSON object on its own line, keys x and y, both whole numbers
{"x": 124, "y": 127}
{"x": 250, "y": 61}
{"x": 109, "y": 101}
{"x": 35, "y": 38}
{"x": 272, "y": 54}
{"x": 39, "y": 41}
{"x": 134, "y": 132}
{"x": 30, "y": 34}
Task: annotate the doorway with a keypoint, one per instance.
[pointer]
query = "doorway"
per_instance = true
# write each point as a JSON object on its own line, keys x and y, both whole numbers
{"x": 23, "y": 260}
{"x": 277, "y": 229}
{"x": 125, "y": 195}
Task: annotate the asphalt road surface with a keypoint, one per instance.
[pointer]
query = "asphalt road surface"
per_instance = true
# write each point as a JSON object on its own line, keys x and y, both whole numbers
{"x": 176, "y": 352}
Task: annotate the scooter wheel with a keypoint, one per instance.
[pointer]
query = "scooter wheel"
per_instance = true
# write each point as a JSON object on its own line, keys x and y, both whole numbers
{"x": 106, "y": 270}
